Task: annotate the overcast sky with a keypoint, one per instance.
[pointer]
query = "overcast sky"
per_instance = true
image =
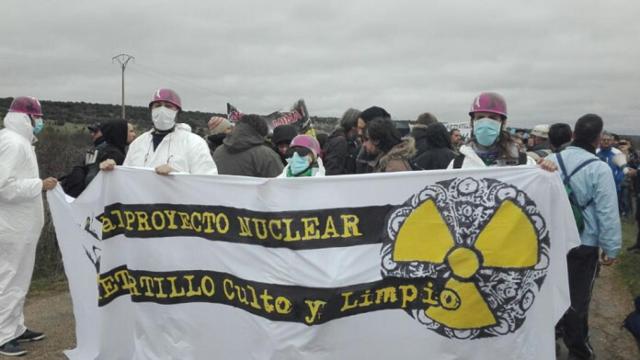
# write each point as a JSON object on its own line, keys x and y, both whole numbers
{"x": 552, "y": 60}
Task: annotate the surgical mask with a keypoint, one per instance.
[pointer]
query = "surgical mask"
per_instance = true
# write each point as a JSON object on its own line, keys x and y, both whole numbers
{"x": 486, "y": 131}
{"x": 38, "y": 126}
{"x": 163, "y": 118}
{"x": 298, "y": 164}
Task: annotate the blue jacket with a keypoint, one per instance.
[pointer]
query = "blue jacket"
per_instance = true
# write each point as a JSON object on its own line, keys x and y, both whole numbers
{"x": 607, "y": 156}
{"x": 602, "y": 220}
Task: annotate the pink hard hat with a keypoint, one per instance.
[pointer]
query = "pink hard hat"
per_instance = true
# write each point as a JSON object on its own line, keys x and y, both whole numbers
{"x": 167, "y": 95}
{"x": 489, "y": 102}
{"x": 308, "y": 142}
{"x": 26, "y": 105}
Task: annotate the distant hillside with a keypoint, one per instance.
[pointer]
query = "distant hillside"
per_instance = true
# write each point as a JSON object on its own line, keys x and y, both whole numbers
{"x": 88, "y": 113}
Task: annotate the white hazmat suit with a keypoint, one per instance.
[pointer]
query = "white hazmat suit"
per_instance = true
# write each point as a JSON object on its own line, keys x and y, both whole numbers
{"x": 21, "y": 220}
{"x": 184, "y": 151}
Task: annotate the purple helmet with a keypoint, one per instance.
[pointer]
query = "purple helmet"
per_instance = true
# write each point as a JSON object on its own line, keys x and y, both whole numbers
{"x": 26, "y": 105}
{"x": 167, "y": 95}
{"x": 308, "y": 142}
{"x": 489, "y": 102}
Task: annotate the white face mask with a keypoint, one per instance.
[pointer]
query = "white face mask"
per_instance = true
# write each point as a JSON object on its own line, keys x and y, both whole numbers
{"x": 163, "y": 118}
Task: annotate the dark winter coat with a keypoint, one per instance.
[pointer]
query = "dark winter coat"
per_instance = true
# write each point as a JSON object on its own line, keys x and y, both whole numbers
{"x": 245, "y": 152}
{"x": 439, "y": 151}
{"x": 340, "y": 154}
{"x": 398, "y": 158}
{"x": 419, "y": 133}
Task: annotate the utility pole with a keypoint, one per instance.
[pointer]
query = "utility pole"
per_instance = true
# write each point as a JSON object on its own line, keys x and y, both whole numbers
{"x": 123, "y": 60}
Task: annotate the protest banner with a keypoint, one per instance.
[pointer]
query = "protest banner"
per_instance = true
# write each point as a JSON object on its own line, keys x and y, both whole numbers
{"x": 464, "y": 264}
{"x": 297, "y": 116}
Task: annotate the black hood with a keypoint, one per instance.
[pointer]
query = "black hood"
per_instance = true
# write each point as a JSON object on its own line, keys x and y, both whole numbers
{"x": 243, "y": 137}
{"x": 438, "y": 136}
{"x": 419, "y": 131}
{"x": 115, "y": 133}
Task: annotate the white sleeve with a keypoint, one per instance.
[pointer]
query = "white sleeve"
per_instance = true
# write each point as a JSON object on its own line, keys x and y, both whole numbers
{"x": 200, "y": 160}
{"x": 11, "y": 188}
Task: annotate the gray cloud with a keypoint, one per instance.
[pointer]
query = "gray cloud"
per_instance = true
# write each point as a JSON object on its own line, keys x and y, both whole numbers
{"x": 553, "y": 61}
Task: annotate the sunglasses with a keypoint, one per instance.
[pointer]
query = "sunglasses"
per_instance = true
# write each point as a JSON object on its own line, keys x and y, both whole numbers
{"x": 302, "y": 151}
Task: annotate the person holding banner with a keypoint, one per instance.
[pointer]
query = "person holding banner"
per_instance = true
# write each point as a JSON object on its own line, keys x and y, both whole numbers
{"x": 21, "y": 219}
{"x": 490, "y": 143}
{"x": 165, "y": 149}
{"x": 303, "y": 158}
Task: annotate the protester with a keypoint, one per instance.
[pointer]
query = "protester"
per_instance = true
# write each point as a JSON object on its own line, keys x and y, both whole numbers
{"x": 219, "y": 128}
{"x": 560, "y": 135}
{"x": 117, "y": 134}
{"x": 617, "y": 162}
{"x": 456, "y": 138}
{"x": 419, "y": 131}
{"x": 538, "y": 143}
{"x": 439, "y": 151}
{"x": 303, "y": 158}
{"x": 365, "y": 162}
{"x": 626, "y": 188}
{"x": 490, "y": 143}
{"x": 164, "y": 148}
{"x": 322, "y": 138}
{"x": 95, "y": 133}
{"x": 281, "y": 138}
{"x": 383, "y": 142}
{"x": 245, "y": 151}
{"x": 21, "y": 218}
{"x": 595, "y": 191}
{"x": 342, "y": 147}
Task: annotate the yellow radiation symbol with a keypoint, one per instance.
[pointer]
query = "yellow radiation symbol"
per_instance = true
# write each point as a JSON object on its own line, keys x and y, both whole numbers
{"x": 508, "y": 241}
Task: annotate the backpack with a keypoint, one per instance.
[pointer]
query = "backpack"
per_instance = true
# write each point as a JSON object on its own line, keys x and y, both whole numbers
{"x": 632, "y": 321}
{"x": 576, "y": 208}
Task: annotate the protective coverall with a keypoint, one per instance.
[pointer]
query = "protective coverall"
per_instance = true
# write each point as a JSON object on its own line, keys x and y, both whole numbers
{"x": 21, "y": 220}
{"x": 183, "y": 150}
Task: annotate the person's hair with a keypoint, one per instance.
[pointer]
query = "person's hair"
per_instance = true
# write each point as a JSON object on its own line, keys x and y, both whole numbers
{"x": 559, "y": 134}
{"x": 588, "y": 128}
{"x": 350, "y": 119}
{"x": 384, "y": 133}
{"x": 256, "y": 122}
{"x": 374, "y": 112}
{"x": 453, "y": 130}
{"x": 426, "y": 119}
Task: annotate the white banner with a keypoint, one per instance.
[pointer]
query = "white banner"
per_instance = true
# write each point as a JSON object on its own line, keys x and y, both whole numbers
{"x": 459, "y": 264}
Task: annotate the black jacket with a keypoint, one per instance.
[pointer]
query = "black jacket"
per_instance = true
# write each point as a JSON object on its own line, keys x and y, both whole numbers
{"x": 439, "y": 151}
{"x": 115, "y": 141}
{"x": 340, "y": 154}
{"x": 419, "y": 134}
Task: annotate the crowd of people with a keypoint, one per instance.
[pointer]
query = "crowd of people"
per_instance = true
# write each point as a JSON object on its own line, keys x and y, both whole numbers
{"x": 364, "y": 141}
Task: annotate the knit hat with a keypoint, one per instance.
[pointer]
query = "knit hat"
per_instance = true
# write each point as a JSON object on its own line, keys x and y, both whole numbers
{"x": 218, "y": 125}
{"x": 283, "y": 134}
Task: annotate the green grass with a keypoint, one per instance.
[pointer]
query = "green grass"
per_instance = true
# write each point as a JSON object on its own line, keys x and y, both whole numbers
{"x": 629, "y": 265}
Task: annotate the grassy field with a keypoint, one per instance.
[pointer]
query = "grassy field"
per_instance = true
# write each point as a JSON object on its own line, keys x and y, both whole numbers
{"x": 629, "y": 266}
